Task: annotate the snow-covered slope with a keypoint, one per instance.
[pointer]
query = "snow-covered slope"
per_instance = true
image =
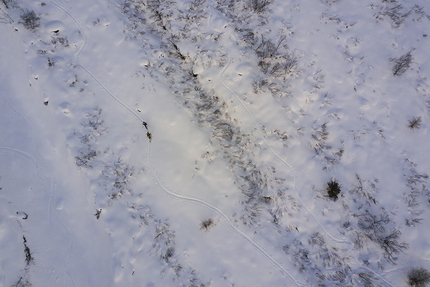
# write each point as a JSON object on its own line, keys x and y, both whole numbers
{"x": 46, "y": 206}
{"x": 194, "y": 143}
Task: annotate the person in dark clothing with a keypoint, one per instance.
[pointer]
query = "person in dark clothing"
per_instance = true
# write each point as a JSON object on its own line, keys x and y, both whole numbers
{"x": 148, "y": 134}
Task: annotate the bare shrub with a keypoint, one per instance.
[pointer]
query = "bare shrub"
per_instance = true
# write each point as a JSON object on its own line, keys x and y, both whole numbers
{"x": 63, "y": 41}
{"x": 85, "y": 157}
{"x": 395, "y": 12}
{"x": 365, "y": 190}
{"x": 259, "y": 6}
{"x": 416, "y": 183}
{"x": 374, "y": 227}
{"x": 160, "y": 13}
{"x": 268, "y": 49}
{"x": 93, "y": 128}
{"x": 258, "y": 85}
{"x": 418, "y": 277}
{"x": 330, "y": 1}
{"x": 207, "y": 224}
{"x": 4, "y": 17}
{"x": 301, "y": 256}
{"x": 8, "y": 3}
{"x": 22, "y": 282}
{"x": 324, "y": 151}
{"x": 401, "y": 64}
{"x": 164, "y": 241}
{"x": 30, "y": 20}
{"x": 415, "y": 123}
{"x": 365, "y": 279}
{"x": 391, "y": 246}
{"x": 119, "y": 174}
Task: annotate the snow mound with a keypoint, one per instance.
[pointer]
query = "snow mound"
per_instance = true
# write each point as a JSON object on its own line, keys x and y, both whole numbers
{"x": 54, "y": 26}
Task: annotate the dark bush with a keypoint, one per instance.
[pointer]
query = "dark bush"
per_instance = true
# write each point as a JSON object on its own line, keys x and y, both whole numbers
{"x": 418, "y": 277}
{"x": 333, "y": 189}
{"x": 259, "y": 6}
{"x": 206, "y": 224}
{"x": 415, "y": 123}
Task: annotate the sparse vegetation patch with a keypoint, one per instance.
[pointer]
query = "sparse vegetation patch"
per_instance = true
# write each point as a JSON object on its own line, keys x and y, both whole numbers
{"x": 207, "y": 224}
{"x": 415, "y": 123}
{"x": 401, "y": 64}
{"x": 29, "y": 19}
{"x": 418, "y": 277}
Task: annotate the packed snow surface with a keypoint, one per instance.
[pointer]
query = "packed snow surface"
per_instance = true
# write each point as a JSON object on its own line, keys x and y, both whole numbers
{"x": 214, "y": 143}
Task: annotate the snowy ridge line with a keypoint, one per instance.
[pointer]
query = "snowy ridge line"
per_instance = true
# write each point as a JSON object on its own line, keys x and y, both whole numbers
{"x": 281, "y": 159}
{"x": 107, "y": 90}
{"x": 239, "y": 232}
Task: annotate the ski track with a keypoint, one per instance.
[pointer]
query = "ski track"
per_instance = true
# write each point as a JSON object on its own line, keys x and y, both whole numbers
{"x": 51, "y": 192}
{"x": 153, "y": 170}
{"x": 172, "y": 194}
{"x": 379, "y": 276}
{"x": 29, "y": 155}
{"x": 69, "y": 251}
{"x": 52, "y": 183}
{"x": 239, "y": 232}
{"x": 79, "y": 64}
{"x": 183, "y": 197}
{"x": 163, "y": 187}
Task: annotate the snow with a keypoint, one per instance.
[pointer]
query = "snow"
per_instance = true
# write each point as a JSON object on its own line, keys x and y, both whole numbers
{"x": 40, "y": 181}
{"x": 249, "y": 112}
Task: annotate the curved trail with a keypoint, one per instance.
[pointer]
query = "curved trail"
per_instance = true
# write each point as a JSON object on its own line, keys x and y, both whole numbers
{"x": 239, "y": 232}
{"x": 52, "y": 183}
{"x": 158, "y": 181}
{"x": 72, "y": 241}
{"x": 52, "y": 190}
{"x": 190, "y": 199}
{"x": 77, "y": 56}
